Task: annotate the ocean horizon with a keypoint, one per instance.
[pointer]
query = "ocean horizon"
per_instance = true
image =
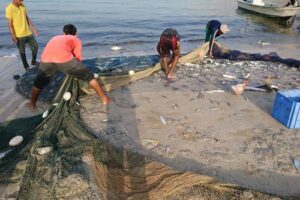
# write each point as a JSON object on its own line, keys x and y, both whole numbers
{"x": 135, "y": 26}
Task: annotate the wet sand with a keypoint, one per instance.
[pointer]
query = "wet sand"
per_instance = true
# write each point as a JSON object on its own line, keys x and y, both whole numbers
{"x": 12, "y": 104}
{"x": 192, "y": 125}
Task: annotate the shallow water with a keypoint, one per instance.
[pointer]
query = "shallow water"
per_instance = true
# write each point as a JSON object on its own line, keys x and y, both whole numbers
{"x": 136, "y": 25}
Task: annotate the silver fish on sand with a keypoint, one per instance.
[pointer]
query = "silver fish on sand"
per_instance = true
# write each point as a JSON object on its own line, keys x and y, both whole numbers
{"x": 296, "y": 164}
{"x": 163, "y": 120}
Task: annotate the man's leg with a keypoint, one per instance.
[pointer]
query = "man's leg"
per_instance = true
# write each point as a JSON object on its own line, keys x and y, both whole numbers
{"x": 77, "y": 70}
{"x": 95, "y": 85}
{"x": 21, "y": 47}
{"x": 40, "y": 82}
{"x": 174, "y": 61}
{"x": 34, "y": 49}
{"x": 165, "y": 64}
{"x": 35, "y": 93}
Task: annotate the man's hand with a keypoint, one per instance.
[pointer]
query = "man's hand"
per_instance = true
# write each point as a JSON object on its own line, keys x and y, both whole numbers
{"x": 35, "y": 32}
{"x": 14, "y": 39}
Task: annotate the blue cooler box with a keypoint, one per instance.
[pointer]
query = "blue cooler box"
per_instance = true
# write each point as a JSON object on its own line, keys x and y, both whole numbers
{"x": 286, "y": 108}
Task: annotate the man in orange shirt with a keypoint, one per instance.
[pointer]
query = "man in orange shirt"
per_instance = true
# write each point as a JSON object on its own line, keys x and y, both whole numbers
{"x": 20, "y": 27}
{"x": 63, "y": 53}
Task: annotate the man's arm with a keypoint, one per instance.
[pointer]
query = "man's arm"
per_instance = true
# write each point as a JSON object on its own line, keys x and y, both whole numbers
{"x": 159, "y": 51}
{"x": 211, "y": 42}
{"x": 78, "y": 49}
{"x": 12, "y": 30}
{"x": 32, "y": 27}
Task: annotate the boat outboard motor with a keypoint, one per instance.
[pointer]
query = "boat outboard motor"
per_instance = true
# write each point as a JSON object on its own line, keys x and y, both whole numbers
{"x": 293, "y": 3}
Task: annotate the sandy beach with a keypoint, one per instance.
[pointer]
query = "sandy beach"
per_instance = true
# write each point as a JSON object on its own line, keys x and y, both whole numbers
{"x": 193, "y": 130}
{"x": 196, "y": 124}
{"x": 12, "y": 104}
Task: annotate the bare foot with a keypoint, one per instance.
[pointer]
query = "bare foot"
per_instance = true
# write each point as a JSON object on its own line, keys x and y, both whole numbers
{"x": 106, "y": 101}
{"x": 30, "y": 106}
{"x": 171, "y": 77}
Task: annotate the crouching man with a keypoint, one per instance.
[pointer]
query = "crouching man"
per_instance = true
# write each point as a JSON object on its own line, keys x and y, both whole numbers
{"x": 64, "y": 53}
{"x": 169, "y": 42}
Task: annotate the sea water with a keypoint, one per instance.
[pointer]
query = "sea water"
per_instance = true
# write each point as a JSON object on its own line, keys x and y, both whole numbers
{"x": 135, "y": 26}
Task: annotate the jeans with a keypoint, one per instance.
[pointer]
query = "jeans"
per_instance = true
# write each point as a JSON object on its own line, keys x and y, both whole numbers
{"x": 33, "y": 45}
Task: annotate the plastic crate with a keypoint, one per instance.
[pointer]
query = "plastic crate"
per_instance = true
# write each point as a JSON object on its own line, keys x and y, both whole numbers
{"x": 286, "y": 108}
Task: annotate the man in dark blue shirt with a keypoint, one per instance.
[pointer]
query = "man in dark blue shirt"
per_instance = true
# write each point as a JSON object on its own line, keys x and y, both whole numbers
{"x": 214, "y": 29}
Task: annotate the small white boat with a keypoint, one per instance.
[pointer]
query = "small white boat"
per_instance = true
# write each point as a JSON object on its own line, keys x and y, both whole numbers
{"x": 282, "y": 11}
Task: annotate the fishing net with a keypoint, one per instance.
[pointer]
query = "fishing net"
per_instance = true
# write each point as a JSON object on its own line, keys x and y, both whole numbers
{"x": 236, "y": 55}
{"x": 112, "y": 72}
{"x": 61, "y": 159}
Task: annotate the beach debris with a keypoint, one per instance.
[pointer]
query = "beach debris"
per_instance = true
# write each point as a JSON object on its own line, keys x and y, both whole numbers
{"x": 255, "y": 89}
{"x": 131, "y": 72}
{"x": 275, "y": 198}
{"x": 163, "y": 120}
{"x": 185, "y": 151}
{"x": 198, "y": 110}
{"x": 3, "y": 154}
{"x": 16, "y": 77}
{"x": 67, "y": 96}
{"x": 200, "y": 95}
{"x": 150, "y": 143}
{"x": 268, "y": 80}
{"x": 296, "y": 164}
{"x": 191, "y": 65}
{"x": 272, "y": 87}
{"x": 167, "y": 149}
{"x": 16, "y": 140}
{"x": 229, "y": 76}
{"x": 248, "y": 195}
{"x": 215, "y": 91}
{"x": 238, "y": 89}
{"x": 269, "y": 87}
{"x": 175, "y": 106}
{"x": 116, "y": 48}
{"x": 262, "y": 43}
{"x": 44, "y": 150}
{"x": 87, "y": 159}
{"x": 96, "y": 76}
{"x": 209, "y": 61}
{"x": 45, "y": 114}
{"x": 246, "y": 76}
{"x": 213, "y": 108}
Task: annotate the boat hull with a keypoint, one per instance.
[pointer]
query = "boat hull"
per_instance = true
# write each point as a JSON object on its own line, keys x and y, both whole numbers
{"x": 276, "y": 12}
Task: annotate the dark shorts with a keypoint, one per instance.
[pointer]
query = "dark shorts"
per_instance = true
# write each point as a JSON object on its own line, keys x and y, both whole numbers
{"x": 73, "y": 68}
